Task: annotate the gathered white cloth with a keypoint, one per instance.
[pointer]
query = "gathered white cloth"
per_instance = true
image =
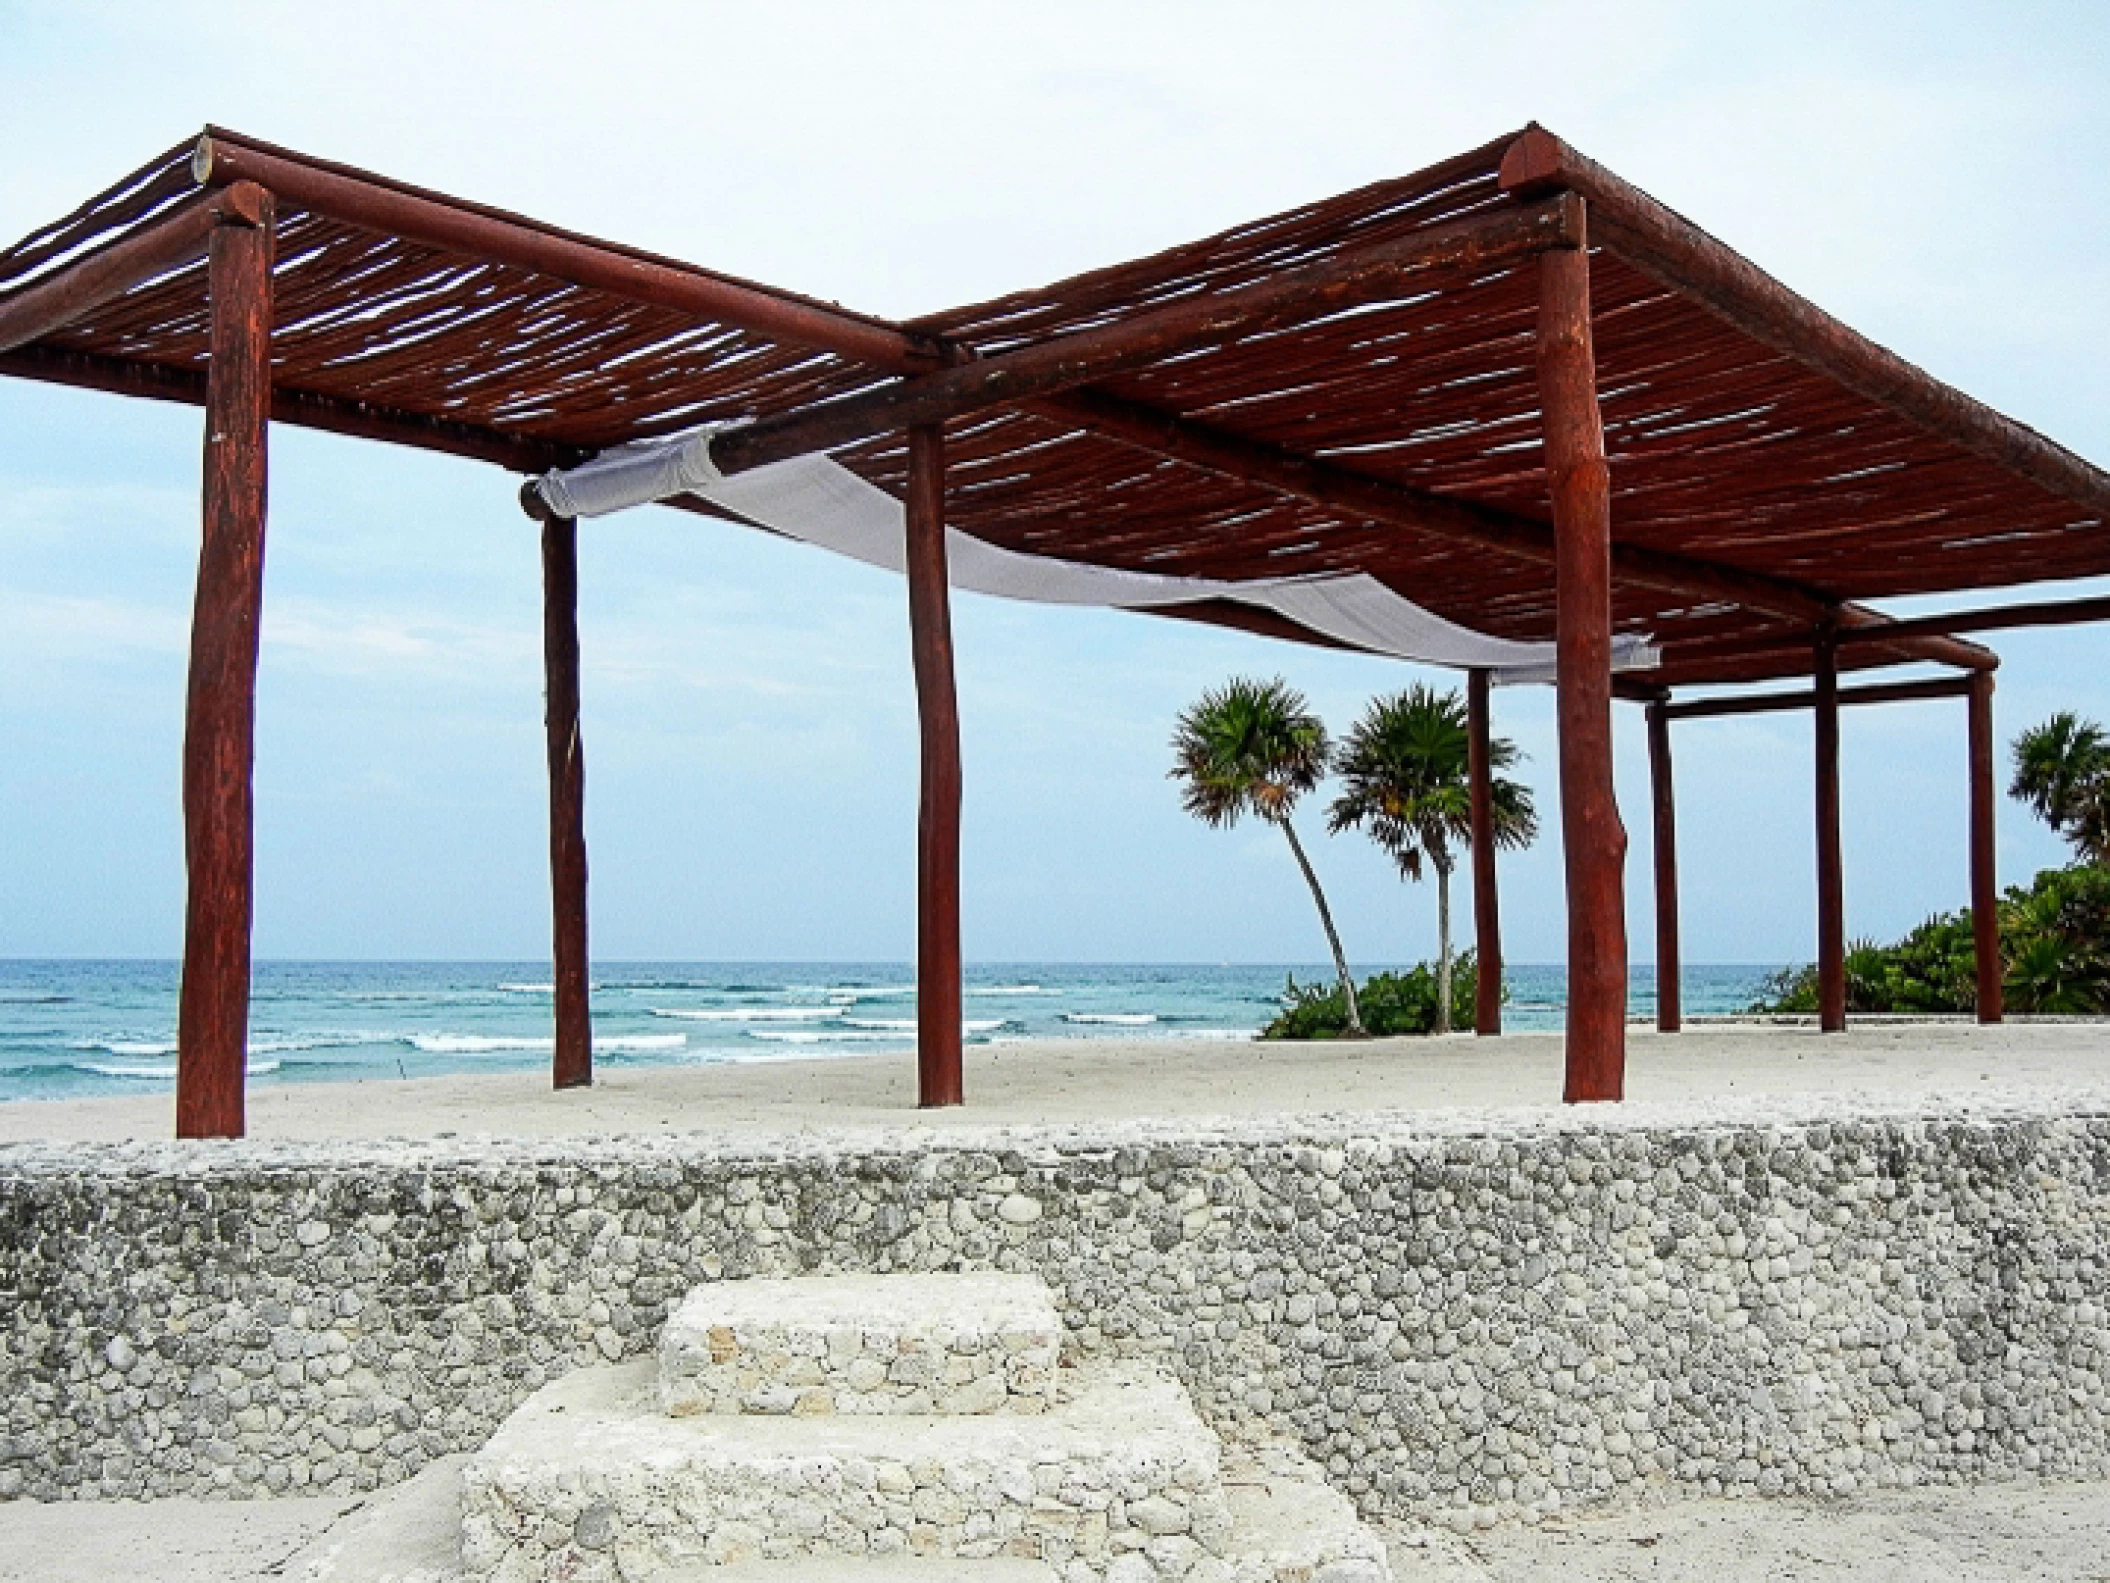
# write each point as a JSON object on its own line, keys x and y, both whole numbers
{"x": 816, "y": 500}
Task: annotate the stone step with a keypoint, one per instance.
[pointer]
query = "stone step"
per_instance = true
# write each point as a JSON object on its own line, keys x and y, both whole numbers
{"x": 874, "y": 1569}
{"x": 1288, "y": 1525}
{"x": 590, "y": 1480}
{"x": 866, "y": 1344}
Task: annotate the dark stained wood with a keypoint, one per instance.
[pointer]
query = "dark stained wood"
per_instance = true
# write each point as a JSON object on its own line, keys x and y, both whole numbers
{"x": 938, "y": 991}
{"x": 1997, "y": 618}
{"x": 1487, "y": 900}
{"x": 1876, "y": 693}
{"x": 1295, "y": 296}
{"x": 1726, "y": 452}
{"x": 1696, "y": 662}
{"x": 1663, "y": 798}
{"x": 1985, "y": 884}
{"x": 1593, "y": 841}
{"x": 572, "y": 1063}
{"x": 1831, "y": 880}
{"x": 219, "y": 738}
{"x": 1508, "y": 533}
{"x": 178, "y": 238}
{"x": 304, "y": 409}
{"x": 375, "y": 203}
{"x": 1671, "y": 249}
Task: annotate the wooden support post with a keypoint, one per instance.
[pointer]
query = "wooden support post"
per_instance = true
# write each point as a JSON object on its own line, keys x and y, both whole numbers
{"x": 219, "y": 737}
{"x": 1663, "y": 794}
{"x": 938, "y": 1078}
{"x": 572, "y": 1064}
{"x": 1592, "y": 838}
{"x": 1487, "y": 915}
{"x": 1985, "y": 893}
{"x": 1831, "y": 883}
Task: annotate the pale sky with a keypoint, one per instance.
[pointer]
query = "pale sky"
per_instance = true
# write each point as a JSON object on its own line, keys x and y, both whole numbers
{"x": 1933, "y": 173}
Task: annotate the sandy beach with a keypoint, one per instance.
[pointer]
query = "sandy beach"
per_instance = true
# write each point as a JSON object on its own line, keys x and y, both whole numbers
{"x": 1065, "y": 1082}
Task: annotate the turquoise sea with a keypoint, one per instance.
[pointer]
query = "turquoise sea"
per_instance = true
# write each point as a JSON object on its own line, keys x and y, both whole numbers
{"x": 70, "y": 1028}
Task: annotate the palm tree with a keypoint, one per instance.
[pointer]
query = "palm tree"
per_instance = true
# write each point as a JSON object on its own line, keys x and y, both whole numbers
{"x": 1254, "y": 748}
{"x": 2062, "y": 771}
{"x": 1407, "y": 769}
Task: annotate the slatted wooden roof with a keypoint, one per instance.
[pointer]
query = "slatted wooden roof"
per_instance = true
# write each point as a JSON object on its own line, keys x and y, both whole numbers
{"x": 1765, "y": 462}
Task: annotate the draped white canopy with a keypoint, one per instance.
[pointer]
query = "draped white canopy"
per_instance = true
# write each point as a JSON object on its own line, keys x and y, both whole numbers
{"x": 817, "y": 500}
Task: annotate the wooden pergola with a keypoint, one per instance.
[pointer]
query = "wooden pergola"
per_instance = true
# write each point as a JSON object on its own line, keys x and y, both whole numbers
{"x": 1511, "y": 386}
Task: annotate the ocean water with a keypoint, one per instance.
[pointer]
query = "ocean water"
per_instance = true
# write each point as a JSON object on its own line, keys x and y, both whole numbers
{"x": 70, "y": 1028}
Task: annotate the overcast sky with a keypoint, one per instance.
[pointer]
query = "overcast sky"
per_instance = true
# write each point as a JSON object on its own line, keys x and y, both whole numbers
{"x": 1936, "y": 174}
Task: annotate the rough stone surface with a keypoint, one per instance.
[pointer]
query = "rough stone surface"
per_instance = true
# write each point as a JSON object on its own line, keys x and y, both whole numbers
{"x": 1461, "y": 1318}
{"x": 942, "y": 1343}
{"x": 589, "y": 1479}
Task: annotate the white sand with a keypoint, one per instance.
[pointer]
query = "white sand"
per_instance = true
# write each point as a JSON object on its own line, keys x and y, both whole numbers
{"x": 1078, "y": 1081}
{"x": 1997, "y": 1533}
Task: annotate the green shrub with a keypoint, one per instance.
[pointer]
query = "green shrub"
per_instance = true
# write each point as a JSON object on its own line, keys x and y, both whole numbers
{"x": 1391, "y": 1003}
{"x": 2054, "y": 939}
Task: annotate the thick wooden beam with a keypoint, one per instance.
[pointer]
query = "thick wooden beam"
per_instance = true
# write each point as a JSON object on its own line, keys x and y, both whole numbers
{"x": 393, "y": 208}
{"x": 1337, "y": 488}
{"x": 78, "y": 288}
{"x": 1487, "y": 903}
{"x": 1592, "y": 838}
{"x": 302, "y": 408}
{"x": 1831, "y": 881}
{"x": 572, "y": 1064}
{"x": 1677, "y": 253}
{"x": 1065, "y": 362}
{"x": 1998, "y": 618}
{"x": 219, "y": 738}
{"x": 1876, "y": 693}
{"x": 1664, "y": 801}
{"x": 938, "y": 992}
{"x": 1985, "y": 884}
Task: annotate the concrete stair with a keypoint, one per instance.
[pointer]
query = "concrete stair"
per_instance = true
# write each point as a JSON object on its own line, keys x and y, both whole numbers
{"x": 905, "y": 1426}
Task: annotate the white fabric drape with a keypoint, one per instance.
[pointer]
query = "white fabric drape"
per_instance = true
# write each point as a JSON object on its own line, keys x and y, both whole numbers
{"x": 817, "y": 500}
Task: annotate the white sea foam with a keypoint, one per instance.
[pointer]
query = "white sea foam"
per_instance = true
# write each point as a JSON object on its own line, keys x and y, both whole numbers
{"x": 908, "y": 1024}
{"x": 529, "y": 989}
{"x": 496, "y": 1044}
{"x": 752, "y": 1013}
{"x": 1115, "y": 1019}
{"x": 160, "y": 1071}
{"x": 1010, "y": 989}
{"x": 826, "y": 1036}
{"x": 472, "y": 1043}
{"x": 849, "y": 992}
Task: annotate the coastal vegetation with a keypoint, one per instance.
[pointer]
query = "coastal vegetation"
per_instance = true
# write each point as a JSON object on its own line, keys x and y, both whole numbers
{"x": 1255, "y": 747}
{"x": 2054, "y": 931}
{"x": 1392, "y": 1003}
{"x": 1405, "y": 768}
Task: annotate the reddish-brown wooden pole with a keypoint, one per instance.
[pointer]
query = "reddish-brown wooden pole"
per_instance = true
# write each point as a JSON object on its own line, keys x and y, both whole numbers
{"x": 219, "y": 737}
{"x": 1831, "y": 880}
{"x": 1487, "y": 915}
{"x": 1592, "y": 838}
{"x": 1663, "y": 795}
{"x": 938, "y": 1079}
{"x": 572, "y": 1065}
{"x": 1985, "y": 892}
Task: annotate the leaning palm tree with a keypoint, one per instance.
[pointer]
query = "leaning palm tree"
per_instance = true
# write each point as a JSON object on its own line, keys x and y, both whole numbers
{"x": 1254, "y": 748}
{"x": 1407, "y": 782}
{"x": 2062, "y": 771}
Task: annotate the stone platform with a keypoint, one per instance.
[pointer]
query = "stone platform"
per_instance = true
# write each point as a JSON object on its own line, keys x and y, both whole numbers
{"x": 1106, "y": 1475}
{"x": 862, "y": 1344}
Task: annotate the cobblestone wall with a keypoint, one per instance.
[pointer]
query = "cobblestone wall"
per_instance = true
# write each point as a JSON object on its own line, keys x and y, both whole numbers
{"x": 1492, "y": 1317}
